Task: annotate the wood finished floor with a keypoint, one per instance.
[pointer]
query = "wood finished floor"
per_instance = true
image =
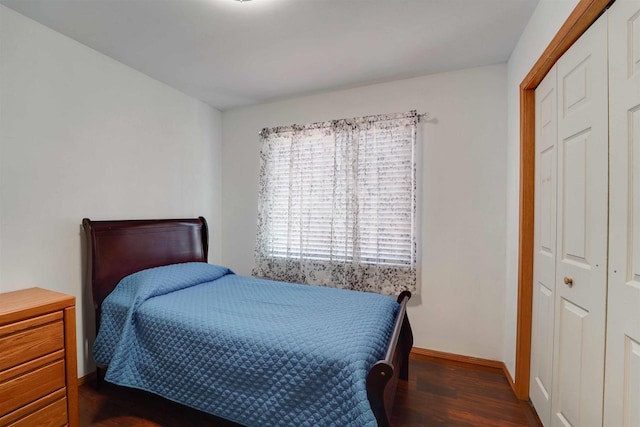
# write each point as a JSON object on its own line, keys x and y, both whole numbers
{"x": 438, "y": 393}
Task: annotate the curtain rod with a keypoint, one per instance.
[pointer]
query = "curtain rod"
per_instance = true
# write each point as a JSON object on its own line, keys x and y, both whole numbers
{"x": 420, "y": 117}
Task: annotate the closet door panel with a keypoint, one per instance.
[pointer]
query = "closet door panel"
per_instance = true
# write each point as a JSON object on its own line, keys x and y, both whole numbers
{"x": 573, "y": 325}
{"x": 544, "y": 270}
{"x": 622, "y": 388}
{"x": 581, "y": 274}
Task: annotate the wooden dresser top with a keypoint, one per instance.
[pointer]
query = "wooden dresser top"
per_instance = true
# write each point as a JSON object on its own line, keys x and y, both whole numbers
{"x": 31, "y": 302}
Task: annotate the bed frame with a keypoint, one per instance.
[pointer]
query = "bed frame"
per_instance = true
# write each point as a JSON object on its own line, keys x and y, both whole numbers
{"x": 116, "y": 249}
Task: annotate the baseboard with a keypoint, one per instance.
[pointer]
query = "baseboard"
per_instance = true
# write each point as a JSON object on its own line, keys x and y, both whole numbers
{"x": 86, "y": 378}
{"x": 512, "y": 383}
{"x": 417, "y": 352}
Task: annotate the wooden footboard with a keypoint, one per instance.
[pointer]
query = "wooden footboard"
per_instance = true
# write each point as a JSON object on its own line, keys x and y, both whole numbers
{"x": 383, "y": 376}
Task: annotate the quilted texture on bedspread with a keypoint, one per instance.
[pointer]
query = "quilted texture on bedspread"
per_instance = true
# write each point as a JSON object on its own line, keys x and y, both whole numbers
{"x": 253, "y": 351}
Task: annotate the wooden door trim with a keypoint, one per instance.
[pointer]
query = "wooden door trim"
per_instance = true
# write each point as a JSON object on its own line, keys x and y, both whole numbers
{"x": 584, "y": 14}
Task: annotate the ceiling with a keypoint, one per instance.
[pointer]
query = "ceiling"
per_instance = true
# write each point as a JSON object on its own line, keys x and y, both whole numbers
{"x": 230, "y": 54}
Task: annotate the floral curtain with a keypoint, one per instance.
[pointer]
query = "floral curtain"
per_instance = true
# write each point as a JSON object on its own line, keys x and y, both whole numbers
{"x": 337, "y": 204}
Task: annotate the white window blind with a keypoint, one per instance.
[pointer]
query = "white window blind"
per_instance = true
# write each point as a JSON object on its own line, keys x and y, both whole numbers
{"x": 337, "y": 203}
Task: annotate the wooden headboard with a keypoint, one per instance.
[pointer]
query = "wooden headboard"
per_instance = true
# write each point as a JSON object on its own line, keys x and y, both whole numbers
{"x": 116, "y": 249}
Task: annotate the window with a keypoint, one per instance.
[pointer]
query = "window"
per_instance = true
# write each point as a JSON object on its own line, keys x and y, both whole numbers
{"x": 336, "y": 203}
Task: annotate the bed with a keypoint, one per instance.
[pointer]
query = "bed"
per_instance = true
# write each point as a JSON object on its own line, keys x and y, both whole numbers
{"x": 224, "y": 364}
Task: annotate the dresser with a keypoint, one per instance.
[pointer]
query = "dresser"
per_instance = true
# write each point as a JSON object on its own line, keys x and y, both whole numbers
{"x": 38, "y": 373}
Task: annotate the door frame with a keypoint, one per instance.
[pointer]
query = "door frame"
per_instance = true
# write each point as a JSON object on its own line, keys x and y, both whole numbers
{"x": 584, "y": 14}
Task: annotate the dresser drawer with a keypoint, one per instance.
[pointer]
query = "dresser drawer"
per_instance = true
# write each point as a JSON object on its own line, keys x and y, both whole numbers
{"x": 31, "y": 386}
{"x": 29, "y": 339}
{"x": 52, "y": 415}
{"x": 48, "y": 410}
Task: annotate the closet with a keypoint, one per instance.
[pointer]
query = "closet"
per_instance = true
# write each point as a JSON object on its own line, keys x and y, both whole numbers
{"x": 586, "y": 290}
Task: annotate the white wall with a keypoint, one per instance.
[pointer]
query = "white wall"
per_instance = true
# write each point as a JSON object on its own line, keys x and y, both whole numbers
{"x": 460, "y": 306}
{"x": 542, "y": 27}
{"x": 82, "y": 135}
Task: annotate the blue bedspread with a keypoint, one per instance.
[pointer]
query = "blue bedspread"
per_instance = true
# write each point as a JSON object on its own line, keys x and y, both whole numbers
{"x": 253, "y": 351}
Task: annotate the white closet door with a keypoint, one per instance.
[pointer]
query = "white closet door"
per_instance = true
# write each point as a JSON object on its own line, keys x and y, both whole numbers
{"x": 622, "y": 391}
{"x": 544, "y": 261}
{"x": 581, "y": 269}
